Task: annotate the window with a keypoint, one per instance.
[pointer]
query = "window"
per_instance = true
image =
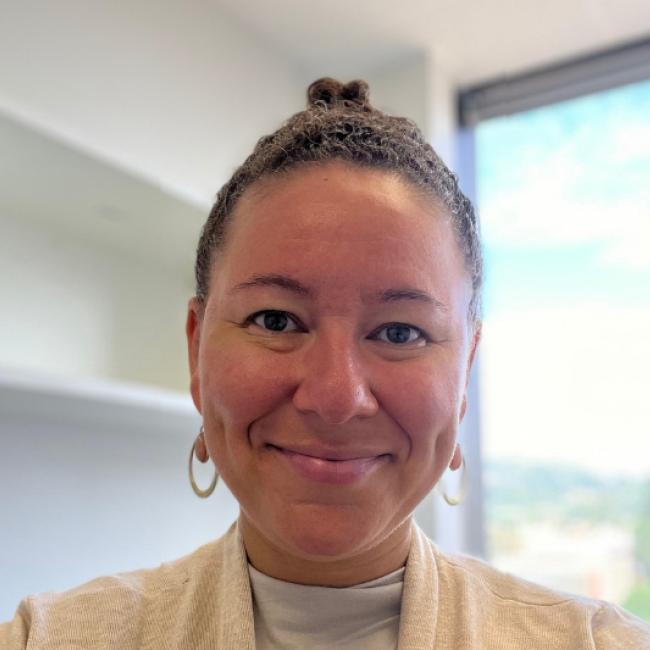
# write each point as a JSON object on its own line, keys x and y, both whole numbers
{"x": 563, "y": 191}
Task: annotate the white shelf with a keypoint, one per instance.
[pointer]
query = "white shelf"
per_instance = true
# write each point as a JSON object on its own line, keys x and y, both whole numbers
{"x": 94, "y": 201}
{"x": 37, "y": 397}
{"x": 95, "y": 274}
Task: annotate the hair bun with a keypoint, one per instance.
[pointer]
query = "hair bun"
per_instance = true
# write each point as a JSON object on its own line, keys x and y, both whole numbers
{"x": 328, "y": 92}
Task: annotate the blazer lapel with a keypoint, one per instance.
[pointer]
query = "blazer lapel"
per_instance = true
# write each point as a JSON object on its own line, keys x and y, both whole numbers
{"x": 235, "y": 602}
{"x": 417, "y": 628}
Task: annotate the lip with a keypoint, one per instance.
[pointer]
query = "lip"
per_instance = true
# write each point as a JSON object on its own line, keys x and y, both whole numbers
{"x": 337, "y": 467}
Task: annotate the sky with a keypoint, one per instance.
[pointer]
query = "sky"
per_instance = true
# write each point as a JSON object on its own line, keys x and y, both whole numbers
{"x": 564, "y": 198}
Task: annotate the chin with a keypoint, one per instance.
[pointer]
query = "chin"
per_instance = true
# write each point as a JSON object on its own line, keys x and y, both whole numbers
{"x": 328, "y": 533}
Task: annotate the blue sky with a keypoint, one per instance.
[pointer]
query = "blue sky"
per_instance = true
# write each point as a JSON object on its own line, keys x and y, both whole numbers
{"x": 564, "y": 199}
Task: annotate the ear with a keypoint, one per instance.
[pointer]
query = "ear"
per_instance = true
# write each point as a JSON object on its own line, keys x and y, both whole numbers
{"x": 193, "y": 333}
{"x": 457, "y": 459}
{"x": 200, "y": 449}
{"x": 476, "y": 338}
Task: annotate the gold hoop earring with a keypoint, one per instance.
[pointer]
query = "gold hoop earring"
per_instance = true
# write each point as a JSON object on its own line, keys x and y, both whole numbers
{"x": 204, "y": 494}
{"x": 463, "y": 490}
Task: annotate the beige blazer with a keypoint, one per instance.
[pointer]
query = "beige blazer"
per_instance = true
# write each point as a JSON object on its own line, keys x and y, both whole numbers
{"x": 203, "y": 601}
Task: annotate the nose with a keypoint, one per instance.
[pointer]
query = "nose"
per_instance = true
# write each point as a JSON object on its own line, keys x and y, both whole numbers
{"x": 333, "y": 382}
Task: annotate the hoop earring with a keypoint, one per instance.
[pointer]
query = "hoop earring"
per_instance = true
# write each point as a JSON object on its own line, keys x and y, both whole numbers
{"x": 463, "y": 490}
{"x": 204, "y": 494}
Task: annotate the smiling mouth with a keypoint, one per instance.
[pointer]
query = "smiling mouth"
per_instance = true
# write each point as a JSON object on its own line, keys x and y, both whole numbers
{"x": 327, "y": 469}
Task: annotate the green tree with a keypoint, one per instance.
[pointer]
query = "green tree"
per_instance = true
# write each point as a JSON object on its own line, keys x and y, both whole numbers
{"x": 638, "y": 601}
{"x": 642, "y": 536}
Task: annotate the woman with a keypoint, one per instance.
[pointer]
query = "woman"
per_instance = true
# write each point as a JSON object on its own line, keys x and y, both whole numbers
{"x": 330, "y": 342}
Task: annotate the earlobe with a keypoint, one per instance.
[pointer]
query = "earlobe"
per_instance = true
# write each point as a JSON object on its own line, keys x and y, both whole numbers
{"x": 193, "y": 333}
{"x": 470, "y": 362}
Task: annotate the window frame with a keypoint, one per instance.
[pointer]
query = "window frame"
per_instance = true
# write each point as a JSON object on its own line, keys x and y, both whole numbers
{"x": 597, "y": 72}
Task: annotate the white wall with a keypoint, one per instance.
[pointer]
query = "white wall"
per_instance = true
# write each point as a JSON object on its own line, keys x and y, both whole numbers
{"x": 74, "y": 308}
{"x": 86, "y": 495}
{"x": 176, "y": 92}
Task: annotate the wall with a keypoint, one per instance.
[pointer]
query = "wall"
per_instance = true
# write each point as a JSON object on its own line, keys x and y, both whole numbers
{"x": 74, "y": 308}
{"x": 175, "y": 92}
{"x": 85, "y": 496}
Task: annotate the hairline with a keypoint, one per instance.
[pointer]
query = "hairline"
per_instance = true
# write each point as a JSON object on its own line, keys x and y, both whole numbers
{"x": 267, "y": 180}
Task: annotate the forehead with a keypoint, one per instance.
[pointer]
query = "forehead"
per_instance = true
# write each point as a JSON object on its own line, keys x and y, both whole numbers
{"x": 344, "y": 224}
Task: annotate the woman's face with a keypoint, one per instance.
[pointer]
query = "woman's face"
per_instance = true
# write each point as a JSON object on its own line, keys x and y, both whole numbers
{"x": 330, "y": 360}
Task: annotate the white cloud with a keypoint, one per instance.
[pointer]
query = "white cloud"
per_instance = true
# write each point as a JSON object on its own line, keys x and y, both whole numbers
{"x": 629, "y": 142}
{"x": 544, "y": 214}
{"x": 569, "y": 384}
{"x": 572, "y": 196}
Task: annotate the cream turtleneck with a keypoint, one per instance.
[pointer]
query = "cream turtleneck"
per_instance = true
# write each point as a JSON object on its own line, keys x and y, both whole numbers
{"x": 364, "y": 616}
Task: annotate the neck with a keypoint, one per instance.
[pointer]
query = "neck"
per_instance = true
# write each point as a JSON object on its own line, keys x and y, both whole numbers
{"x": 386, "y": 556}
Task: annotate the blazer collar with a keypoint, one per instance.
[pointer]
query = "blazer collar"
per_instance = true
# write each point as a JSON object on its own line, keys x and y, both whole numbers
{"x": 419, "y": 614}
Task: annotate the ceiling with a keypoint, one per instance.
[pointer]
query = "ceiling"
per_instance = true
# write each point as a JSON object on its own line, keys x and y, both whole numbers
{"x": 474, "y": 40}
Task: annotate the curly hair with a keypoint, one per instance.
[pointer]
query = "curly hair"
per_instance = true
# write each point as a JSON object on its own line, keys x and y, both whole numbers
{"x": 339, "y": 124}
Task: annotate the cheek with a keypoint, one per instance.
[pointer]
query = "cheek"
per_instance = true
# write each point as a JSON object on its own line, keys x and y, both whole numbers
{"x": 425, "y": 402}
{"x": 239, "y": 386}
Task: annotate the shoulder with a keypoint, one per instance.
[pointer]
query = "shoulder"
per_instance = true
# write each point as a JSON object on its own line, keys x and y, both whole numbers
{"x": 613, "y": 627}
{"x": 513, "y": 602}
{"x": 465, "y": 572}
{"x": 119, "y": 607}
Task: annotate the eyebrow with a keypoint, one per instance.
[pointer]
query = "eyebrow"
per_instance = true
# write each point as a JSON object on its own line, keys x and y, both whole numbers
{"x": 290, "y": 284}
{"x": 393, "y": 295}
{"x": 274, "y": 280}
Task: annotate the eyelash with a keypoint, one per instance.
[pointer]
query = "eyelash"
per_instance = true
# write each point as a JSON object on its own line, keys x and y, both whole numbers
{"x": 422, "y": 335}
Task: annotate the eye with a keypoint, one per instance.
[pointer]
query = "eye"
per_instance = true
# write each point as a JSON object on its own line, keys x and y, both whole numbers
{"x": 274, "y": 321}
{"x": 400, "y": 334}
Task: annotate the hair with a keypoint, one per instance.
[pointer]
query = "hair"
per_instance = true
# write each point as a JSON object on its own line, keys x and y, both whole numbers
{"x": 340, "y": 124}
